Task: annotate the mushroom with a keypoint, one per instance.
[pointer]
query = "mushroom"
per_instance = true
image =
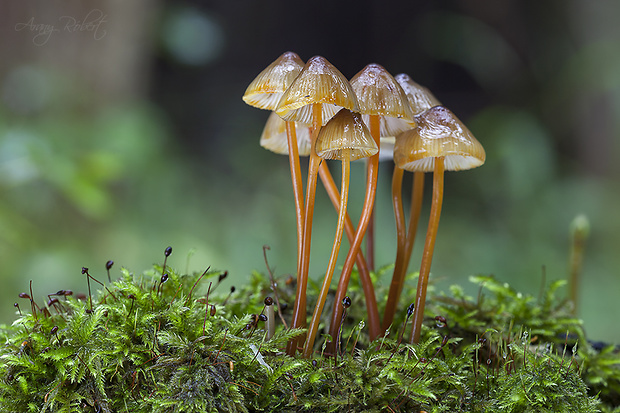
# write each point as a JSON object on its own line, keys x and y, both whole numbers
{"x": 265, "y": 92}
{"x": 440, "y": 142}
{"x": 313, "y": 97}
{"x": 360, "y": 261}
{"x": 385, "y": 108}
{"x": 273, "y": 138}
{"x": 346, "y": 138}
{"x": 420, "y": 99}
{"x": 383, "y": 100}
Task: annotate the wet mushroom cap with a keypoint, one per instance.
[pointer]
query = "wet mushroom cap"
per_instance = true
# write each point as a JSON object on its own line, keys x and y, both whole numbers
{"x": 345, "y": 130}
{"x": 378, "y": 93}
{"x": 318, "y": 82}
{"x": 439, "y": 134}
{"x": 274, "y": 136}
{"x": 420, "y": 98}
{"x": 267, "y": 88}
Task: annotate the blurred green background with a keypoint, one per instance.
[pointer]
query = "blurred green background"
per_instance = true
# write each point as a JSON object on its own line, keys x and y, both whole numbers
{"x": 122, "y": 131}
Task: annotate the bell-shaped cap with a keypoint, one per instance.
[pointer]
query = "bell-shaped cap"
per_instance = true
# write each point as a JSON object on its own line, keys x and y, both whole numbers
{"x": 439, "y": 133}
{"x": 420, "y": 98}
{"x": 378, "y": 93}
{"x": 267, "y": 88}
{"x": 318, "y": 82}
{"x": 345, "y": 135}
{"x": 274, "y": 136}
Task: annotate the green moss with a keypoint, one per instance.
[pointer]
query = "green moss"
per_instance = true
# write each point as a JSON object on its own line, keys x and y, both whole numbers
{"x": 148, "y": 346}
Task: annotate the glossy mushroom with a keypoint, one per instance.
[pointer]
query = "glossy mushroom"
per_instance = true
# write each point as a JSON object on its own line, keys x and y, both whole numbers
{"x": 314, "y": 97}
{"x": 440, "y": 142}
{"x": 265, "y": 92}
{"x": 384, "y": 107}
{"x": 274, "y": 139}
{"x": 420, "y": 100}
{"x": 345, "y": 138}
{"x": 381, "y": 100}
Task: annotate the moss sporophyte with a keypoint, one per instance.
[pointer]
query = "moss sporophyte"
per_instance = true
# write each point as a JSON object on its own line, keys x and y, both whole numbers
{"x": 165, "y": 341}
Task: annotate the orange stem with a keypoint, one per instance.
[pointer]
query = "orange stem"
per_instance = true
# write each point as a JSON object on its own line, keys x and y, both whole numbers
{"x": 316, "y": 316}
{"x": 417, "y": 194}
{"x": 374, "y": 324}
{"x": 370, "y": 232}
{"x": 401, "y": 239}
{"x": 429, "y": 247}
{"x": 299, "y": 307}
{"x": 293, "y": 156}
{"x": 360, "y": 261}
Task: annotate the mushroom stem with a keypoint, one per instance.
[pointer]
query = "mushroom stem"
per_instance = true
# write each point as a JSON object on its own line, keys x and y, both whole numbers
{"x": 316, "y": 316}
{"x": 299, "y": 307}
{"x": 293, "y": 155}
{"x": 370, "y": 232}
{"x": 404, "y": 246}
{"x": 429, "y": 247}
{"x": 374, "y": 323}
{"x": 401, "y": 237}
{"x": 417, "y": 195}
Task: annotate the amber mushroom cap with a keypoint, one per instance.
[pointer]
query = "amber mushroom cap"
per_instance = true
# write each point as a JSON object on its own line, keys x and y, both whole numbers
{"x": 439, "y": 134}
{"x": 378, "y": 93}
{"x": 318, "y": 82}
{"x": 267, "y": 88}
{"x": 420, "y": 98}
{"x": 344, "y": 134}
{"x": 274, "y": 136}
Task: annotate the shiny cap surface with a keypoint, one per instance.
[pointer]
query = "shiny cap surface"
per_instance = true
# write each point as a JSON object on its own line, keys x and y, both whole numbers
{"x": 439, "y": 134}
{"x": 345, "y": 135}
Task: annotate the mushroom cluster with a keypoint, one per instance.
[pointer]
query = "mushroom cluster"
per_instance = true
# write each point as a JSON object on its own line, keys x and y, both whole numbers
{"x": 317, "y": 112}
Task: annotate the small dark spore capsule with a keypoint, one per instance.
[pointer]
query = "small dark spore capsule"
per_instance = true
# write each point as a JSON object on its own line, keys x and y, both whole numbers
{"x": 222, "y": 276}
{"x": 410, "y": 309}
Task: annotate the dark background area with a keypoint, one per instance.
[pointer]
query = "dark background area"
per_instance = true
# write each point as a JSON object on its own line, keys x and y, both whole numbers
{"x": 122, "y": 131}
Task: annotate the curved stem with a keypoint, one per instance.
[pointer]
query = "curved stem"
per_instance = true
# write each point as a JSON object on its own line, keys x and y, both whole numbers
{"x": 362, "y": 268}
{"x": 374, "y": 324}
{"x": 417, "y": 194}
{"x": 299, "y": 307}
{"x": 293, "y": 156}
{"x": 401, "y": 238}
{"x": 316, "y": 316}
{"x": 429, "y": 247}
{"x": 370, "y": 232}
